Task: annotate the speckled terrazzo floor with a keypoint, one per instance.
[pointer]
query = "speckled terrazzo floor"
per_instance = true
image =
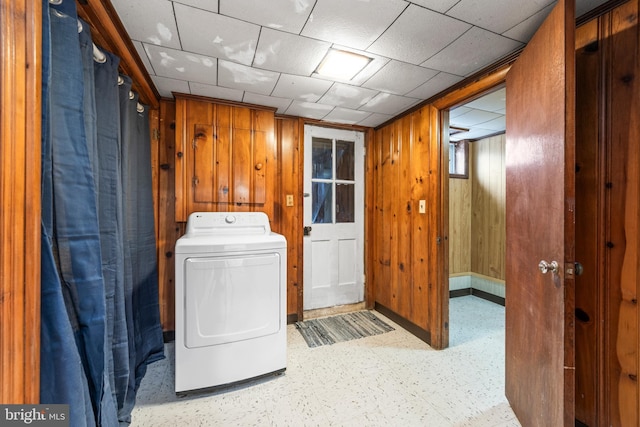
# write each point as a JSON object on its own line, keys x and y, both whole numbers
{"x": 393, "y": 379}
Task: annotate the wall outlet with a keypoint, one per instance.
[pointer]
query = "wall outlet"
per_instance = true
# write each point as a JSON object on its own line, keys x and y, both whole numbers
{"x": 289, "y": 201}
{"x": 422, "y": 206}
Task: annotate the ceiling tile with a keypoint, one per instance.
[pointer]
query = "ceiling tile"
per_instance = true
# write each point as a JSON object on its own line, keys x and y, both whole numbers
{"x": 166, "y": 86}
{"x": 458, "y": 111}
{"x": 417, "y": 35}
{"x": 211, "y": 6}
{"x": 216, "y": 92}
{"x": 493, "y": 101}
{"x": 143, "y": 56}
{"x": 525, "y": 30}
{"x": 309, "y": 109}
{"x": 177, "y": 64}
{"x": 284, "y": 52}
{"x": 476, "y": 49}
{"x": 149, "y": 21}
{"x": 375, "y": 119}
{"x": 387, "y": 103}
{"x": 584, "y": 6}
{"x": 399, "y": 77}
{"x": 473, "y": 118}
{"x": 236, "y": 76}
{"x": 434, "y": 86}
{"x": 284, "y": 15}
{"x": 301, "y": 88}
{"x": 270, "y": 101}
{"x": 497, "y": 15}
{"x": 352, "y": 23}
{"x": 346, "y": 116}
{"x": 496, "y": 125}
{"x": 216, "y": 35}
{"x": 438, "y": 5}
{"x": 347, "y": 96}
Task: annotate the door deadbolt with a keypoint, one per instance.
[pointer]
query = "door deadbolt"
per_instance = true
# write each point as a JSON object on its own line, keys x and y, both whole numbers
{"x": 546, "y": 267}
{"x": 306, "y": 231}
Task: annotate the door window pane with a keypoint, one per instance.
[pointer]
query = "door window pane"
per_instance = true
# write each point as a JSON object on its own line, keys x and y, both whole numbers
{"x": 321, "y": 157}
{"x": 345, "y": 210}
{"x": 322, "y": 203}
{"x": 345, "y": 160}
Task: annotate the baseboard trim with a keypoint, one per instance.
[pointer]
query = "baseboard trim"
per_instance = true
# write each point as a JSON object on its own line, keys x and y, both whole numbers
{"x": 477, "y": 293}
{"x": 406, "y": 324}
{"x": 169, "y": 336}
{"x": 292, "y": 318}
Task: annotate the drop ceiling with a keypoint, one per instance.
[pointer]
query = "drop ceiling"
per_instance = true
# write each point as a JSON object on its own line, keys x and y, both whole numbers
{"x": 266, "y": 52}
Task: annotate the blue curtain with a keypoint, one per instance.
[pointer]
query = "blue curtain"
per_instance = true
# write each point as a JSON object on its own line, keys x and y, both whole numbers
{"x": 100, "y": 316}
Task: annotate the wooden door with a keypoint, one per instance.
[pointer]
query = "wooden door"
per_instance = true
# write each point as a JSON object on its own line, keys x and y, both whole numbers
{"x": 540, "y": 175}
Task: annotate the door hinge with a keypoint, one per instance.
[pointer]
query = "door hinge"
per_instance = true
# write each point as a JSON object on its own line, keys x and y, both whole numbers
{"x": 194, "y": 144}
{"x": 194, "y": 181}
{"x": 156, "y": 134}
{"x": 438, "y": 240}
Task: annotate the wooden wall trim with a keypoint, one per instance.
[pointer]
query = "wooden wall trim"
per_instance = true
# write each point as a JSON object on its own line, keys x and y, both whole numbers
{"x": 218, "y": 101}
{"x": 20, "y": 132}
{"x": 108, "y": 32}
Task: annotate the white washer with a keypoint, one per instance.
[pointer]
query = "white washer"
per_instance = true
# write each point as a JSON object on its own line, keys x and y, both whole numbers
{"x": 231, "y": 298}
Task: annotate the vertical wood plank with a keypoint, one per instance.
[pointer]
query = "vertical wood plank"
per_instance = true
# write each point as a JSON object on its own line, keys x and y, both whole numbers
{"x": 20, "y": 132}
{"x": 204, "y": 161}
{"x": 262, "y": 128}
{"x": 168, "y": 229}
{"x": 241, "y": 155}
{"x": 223, "y": 166}
{"x": 405, "y": 216}
{"x": 369, "y": 218}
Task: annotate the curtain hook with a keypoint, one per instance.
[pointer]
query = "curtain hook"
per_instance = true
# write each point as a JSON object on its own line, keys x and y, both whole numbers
{"x": 140, "y": 108}
{"x": 98, "y": 55}
{"x": 79, "y": 26}
{"x": 131, "y": 95}
{"x": 55, "y": 2}
{"x": 120, "y": 81}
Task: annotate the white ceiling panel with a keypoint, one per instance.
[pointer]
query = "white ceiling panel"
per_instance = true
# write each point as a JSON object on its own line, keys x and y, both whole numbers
{"x": 347, "y": 96}
{"x": 399, "y": 77}
{"x": 177, "y": 64}
{"x": 270, "y": 101}
{"x": 473, "y": 134}
{"x": 496, "y": 125}
{"x": 496, "y": 15}
{"x": 473, "y": 118}
{"x": 216, "y": 92}
{"x": 346, "y": 116}
{"x": 493, "y": 101}
{"x": 211, "y": 6}
{"x": 284, "y": 15}
{"x": 438, "y": 5}
{"x": 434, "y": 85}
{"x": 458, "y": 112}
{"x": 143, "y": 56}
{"x": 149, "y": 21}
{"x": 241, "y": 77}
{"x": 386, "y": 103}
{"x": 584, "y": 6}
{"x": 476, "y": 49}
{"x": 284, "y": 52}
{"x": 216, "y": 35}
{"x": 356, "y": 24}
{"x": 417, "y": 35}
{"x": 527, "y": 28}
{"x": 375, "y": 119}
{"x": 309, "y": 109}
{"x": 301, "y": 88}
{"x": 166, "y": 86}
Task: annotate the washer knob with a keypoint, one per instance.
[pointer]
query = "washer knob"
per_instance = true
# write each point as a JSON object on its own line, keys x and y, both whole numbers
{"x": 230, "y": 219}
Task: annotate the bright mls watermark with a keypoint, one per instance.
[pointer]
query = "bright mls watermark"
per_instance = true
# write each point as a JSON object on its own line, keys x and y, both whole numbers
{"x": 34, "y": 415}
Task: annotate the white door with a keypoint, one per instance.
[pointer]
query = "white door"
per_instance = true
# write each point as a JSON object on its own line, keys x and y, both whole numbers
{"x": 333, "y": 217}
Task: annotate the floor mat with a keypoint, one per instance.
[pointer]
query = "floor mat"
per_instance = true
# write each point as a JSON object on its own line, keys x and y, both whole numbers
{"x": 345, "y": 327}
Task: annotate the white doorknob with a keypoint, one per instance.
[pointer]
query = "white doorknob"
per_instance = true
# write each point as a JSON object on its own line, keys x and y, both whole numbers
{"x": 545, "y": 266}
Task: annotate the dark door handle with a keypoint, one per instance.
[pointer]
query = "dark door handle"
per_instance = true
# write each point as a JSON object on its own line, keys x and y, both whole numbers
{"x": 307, "y": 230}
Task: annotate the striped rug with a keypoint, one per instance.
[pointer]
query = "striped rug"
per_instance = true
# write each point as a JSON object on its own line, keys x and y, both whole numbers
{"x": 345, "y": 327}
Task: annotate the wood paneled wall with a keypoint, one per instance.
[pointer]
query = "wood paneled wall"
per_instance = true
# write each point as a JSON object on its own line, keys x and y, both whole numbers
{"x": 20, "y": 112}
{"x": 460, "y": 223}
{"x": 488, "y": 206}
{"x": 477, "y": 212}
{"x": 408, "y": 247}
{"x": 284, "y": 178}
{"x": 621, "y": 109}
